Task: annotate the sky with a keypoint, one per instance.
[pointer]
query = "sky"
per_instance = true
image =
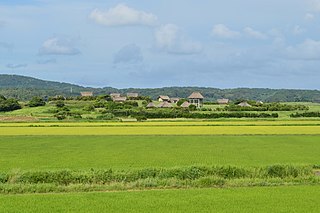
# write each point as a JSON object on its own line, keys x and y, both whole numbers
{"x": 148, "y": 44}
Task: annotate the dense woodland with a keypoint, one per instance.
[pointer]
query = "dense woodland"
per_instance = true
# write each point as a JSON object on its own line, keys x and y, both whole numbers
{"x": 24, "y": 88}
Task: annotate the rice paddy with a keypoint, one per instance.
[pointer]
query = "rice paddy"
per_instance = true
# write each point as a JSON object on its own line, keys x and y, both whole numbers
{"x": 125, "y": 146}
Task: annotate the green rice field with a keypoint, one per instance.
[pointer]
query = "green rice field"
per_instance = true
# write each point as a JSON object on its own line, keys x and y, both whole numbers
{"x": 84, "y": 147}
{"x": 123, "y": 152}
{"x": 257, "y": 199}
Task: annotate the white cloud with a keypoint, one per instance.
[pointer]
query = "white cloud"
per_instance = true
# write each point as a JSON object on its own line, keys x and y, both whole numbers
{"x": 223, "y": 31}
{"x": 308, "y": 50}
{"x": 171, "y": 39}
{"x": 254, "y": 33}
{"x": 128, "y": 54}
{"x": 298, "y": 30}
{"x": 309, "y": 16}
{"x": 58, "y": 46}
{"x": 121, "y": 15}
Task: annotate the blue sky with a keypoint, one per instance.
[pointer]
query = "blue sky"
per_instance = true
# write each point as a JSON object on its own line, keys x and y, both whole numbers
{"x": 224, "y": 44}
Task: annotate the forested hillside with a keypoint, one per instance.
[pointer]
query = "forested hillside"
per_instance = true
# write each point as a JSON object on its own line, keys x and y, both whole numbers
{"x": 23, "y": 88}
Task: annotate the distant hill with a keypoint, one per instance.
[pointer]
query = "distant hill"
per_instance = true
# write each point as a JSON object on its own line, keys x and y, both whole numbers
{"x": 23, "y": 88}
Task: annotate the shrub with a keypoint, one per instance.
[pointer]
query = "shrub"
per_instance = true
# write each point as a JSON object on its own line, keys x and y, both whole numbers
{"x": 36, "y": 101}
{"x": 60, "y": 104}
{"x": 7, "y": 105}
{"x": 106, "y": 116}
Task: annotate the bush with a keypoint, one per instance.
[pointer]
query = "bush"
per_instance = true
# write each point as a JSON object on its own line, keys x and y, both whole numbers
{"x": 88, "y": 108}
{"x": 305, "y": 114}
{"x": 36, "y": 101}
{"x": 106, "y": 116}
{"x": 7, "y": 105}
{"x": 60, "y": 104}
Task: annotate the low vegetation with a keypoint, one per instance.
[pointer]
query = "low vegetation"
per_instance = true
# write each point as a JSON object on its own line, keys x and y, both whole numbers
{"x": 187, "y": 177}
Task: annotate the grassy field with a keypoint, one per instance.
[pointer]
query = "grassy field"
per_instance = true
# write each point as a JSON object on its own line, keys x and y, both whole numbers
{"x": 124, "y": 152}
{"x": 257, "y": 199}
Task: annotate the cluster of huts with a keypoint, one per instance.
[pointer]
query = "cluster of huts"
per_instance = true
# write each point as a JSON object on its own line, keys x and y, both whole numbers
{"x": 166, "y": 102}
{"x": 196, "y": 98}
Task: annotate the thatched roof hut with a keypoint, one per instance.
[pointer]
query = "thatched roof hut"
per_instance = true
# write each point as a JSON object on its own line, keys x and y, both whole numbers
{"x": 165, "y": 104}
{"x": 174, "y": 100}
{"x": 151, "y": 105}
{"x": 223, "y": 101}
{"x": 132, "y": 95}
{"x": 196, "y": 99}
{"x": 86, "y": 94}
{"x": 196, "y": 95}
{"x": 119, "y": 99}
{"x": 163, "y": 98}
{"x": 115, "y": 95}
{"x": 244, "y": 104}
{"x": 185, "y": 104}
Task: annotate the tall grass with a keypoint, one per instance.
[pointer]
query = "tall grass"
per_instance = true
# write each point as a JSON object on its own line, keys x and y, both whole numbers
{"x": 179, "y": 177}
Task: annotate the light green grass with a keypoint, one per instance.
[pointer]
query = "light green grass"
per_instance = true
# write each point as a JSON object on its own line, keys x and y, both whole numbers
{"x": 123, "y": 152}
{"x": 269, "y": 199}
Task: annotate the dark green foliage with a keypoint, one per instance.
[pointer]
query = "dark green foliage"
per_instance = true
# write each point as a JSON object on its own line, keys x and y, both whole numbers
{"x": 36, "y": 101}
{"x": 9, "y": 104}
{"x": 305, "y": 114}
{"x": 3, "y": 178}
{"x": 56, "y": 98}
{"x": 89, "y": 108}
{"x": 174, "y": 113}
{"x": 60, "y": 104}
{"x": 99, "y": 103}
{"x": 106, "y": 116}
{"x": 266, "y": 107}
{"x": 282, "y": 171}
{"x": 192, "y": 107}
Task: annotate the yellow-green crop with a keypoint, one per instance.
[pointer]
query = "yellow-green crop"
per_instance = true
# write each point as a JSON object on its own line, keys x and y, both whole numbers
{"x": 163, "y": 130}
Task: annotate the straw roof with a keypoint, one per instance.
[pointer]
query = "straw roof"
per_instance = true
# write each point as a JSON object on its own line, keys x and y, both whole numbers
{"x": 151, "y": 105}
{"x": 115, "y": 95}
{"x": 86, "y": 94}
{"x": 185, "y": 104}
{"x": 244, "y": 104}
{"x": 223, "y": 101}
{"x": 164, "y": 97}
{"x": 132, "y": 94}
{"x": 174, "y": 100}
{"x": 165, "y": 104}
{"x": 196, "y": 95}
{"x": 119, "y": 99}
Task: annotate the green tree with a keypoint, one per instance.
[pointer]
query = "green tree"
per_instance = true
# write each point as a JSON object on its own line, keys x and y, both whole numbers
{"x": 36, "y": 101}
{"x": 7, "y": 105}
